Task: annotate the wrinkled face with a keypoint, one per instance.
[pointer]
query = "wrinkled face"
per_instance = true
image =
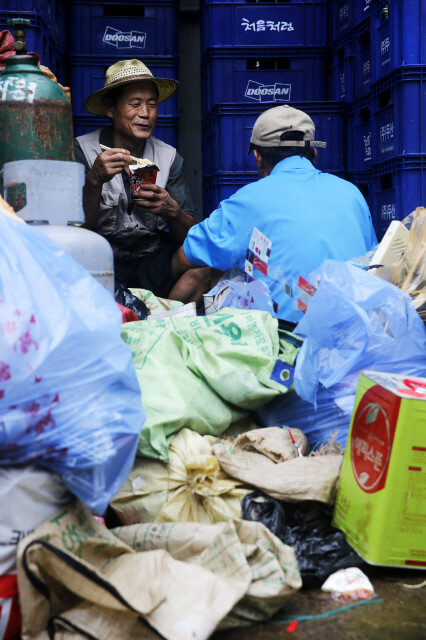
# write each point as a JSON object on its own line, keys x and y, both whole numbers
{"x": 134, "y": 115}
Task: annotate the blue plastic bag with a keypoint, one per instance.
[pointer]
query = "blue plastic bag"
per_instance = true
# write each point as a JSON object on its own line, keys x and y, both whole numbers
{"x": 356, "y": 321}
{"x": 235, "y": 292}
{"x": 331, "y": 415}
{"x": 69, "y": 397}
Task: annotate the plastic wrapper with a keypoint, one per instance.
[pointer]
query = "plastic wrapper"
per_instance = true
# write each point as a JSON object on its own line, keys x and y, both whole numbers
{"x": 234, "y": 291}
{"x": 330, "y": 417}
{"x": 140, "y": 175}
{"x": 69, "y": 396}
{"x": 126, "y": 298}
{"x": 349, "y": 585}
{"x": 319, "y": 547}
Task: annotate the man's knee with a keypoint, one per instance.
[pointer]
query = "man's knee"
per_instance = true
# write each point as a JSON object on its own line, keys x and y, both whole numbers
{"x": 200, "y": 276}
{"x": 191, "y": 285}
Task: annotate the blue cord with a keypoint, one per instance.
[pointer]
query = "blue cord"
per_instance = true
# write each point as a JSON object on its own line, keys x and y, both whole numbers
{"x": 327, "y": 613}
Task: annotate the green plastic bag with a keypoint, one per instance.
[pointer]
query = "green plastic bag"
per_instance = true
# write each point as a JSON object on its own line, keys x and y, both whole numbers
{"x": 206, "y": 372}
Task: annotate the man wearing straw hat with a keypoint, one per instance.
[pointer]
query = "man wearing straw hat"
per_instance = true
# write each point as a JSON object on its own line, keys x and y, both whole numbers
{"x": 285, "y": 225}
{"x": 143, "y": 232}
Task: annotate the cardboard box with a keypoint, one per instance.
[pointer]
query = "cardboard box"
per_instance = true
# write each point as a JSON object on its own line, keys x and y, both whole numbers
{"x": 381, "y": 499}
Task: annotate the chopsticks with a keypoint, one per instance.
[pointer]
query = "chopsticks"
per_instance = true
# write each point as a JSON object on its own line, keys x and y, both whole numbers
{"x": 137, "y": 160}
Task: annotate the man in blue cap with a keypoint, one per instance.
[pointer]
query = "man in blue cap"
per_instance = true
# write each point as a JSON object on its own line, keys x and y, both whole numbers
{"x": 286, "y": 224}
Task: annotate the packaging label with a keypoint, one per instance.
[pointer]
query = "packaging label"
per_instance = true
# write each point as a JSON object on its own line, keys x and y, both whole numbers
{"x": 258, "y": 253}
{"x": 413, "y": 388}
{"x": 265, "y": 25}
{"x": 277, "y": 92}
{"x": 381, "y": 501}
{"x": 124, "y": 39}
{"x": 400, "y": 384}
{"x": 139, "y": 176}
{"x": 283, "y": 373}
{"x": 305, "y": 291}
{"x": 367, "y": 146}
{"x": 372, "y": 438}
{"x": 260, "y": 245}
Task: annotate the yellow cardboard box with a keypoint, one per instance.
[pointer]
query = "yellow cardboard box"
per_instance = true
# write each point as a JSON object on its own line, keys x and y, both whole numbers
{"x": 381, "y": 499}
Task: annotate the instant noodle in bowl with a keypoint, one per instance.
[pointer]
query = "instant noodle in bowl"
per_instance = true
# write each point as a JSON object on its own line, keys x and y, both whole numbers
{"x": 141, "y": 173}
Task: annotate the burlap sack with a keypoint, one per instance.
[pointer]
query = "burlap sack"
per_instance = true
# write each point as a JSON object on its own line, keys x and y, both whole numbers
{"x": 191, "y": 487}
{"x": 77, "y": 577}
{"x": 301, "y": 478}
{"x": 276, "y": 443}
{"x": 73, "y": 563}
{"x": 273, "y": 566}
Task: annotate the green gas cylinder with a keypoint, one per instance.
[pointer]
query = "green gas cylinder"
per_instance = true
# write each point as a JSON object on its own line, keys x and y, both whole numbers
{"x": 35, "y": 113}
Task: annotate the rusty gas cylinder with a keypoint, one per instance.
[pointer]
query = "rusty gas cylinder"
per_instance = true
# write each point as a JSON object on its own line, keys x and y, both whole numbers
{"x": 35, "y": 114}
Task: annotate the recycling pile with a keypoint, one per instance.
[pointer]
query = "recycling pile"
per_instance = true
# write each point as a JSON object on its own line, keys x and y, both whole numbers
{"x": 209, "y": 448}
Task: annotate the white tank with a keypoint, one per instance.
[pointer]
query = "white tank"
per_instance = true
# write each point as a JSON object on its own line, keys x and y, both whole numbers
{"x": 54, "y": 200}
{"x": 91, "y": 250}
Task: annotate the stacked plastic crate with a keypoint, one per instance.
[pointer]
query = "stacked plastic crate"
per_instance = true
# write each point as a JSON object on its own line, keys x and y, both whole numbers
{"x": 103, "y": 33}
{"x": 386, "y": 133}
{"x": 47, "y": 33}
{"x": 351, "y": 77}
{"x": 258, "y": 55}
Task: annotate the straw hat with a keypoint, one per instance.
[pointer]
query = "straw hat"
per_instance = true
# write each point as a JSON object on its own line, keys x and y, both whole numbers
{"x": 125, "y": 72}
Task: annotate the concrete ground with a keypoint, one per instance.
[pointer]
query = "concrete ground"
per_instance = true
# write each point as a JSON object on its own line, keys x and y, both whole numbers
{"x": 400, "y": 616}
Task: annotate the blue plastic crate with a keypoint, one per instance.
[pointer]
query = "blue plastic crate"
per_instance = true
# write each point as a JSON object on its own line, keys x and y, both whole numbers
{"x": 58, "y": 66}
{"x": 53, "y": 15}
{"x": 60, "y": 25}
{"x": 398, "y": 35}
{"x": 244, "y": 23}
{"x": 399, "y": 114}
{"x": 37, "y": 35}
{"x": 39, "y": 8}
{"x": 166, "y": 129}
{"x": 88, "y": 75}
{"x": 363, "y": 60}
{"x": 126, "y": 30}
{"x": 398, "y": 188}
{"x": 227, "y": 131}
{"x": 364, "y": 181}
{"x": 363, "y": 10}
{"x": 220, "y": 187}
{"x": 347, "y": 14}
{"x": 342, "y": 18}
{"x": 359, "y": 138}
{"x": 88, "y": 123}
{"x": 343, "y": 61}
{"x": 273, "y": 76}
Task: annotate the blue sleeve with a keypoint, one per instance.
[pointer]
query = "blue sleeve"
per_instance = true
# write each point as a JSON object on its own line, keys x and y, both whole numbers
{"x": 215, "y": 241}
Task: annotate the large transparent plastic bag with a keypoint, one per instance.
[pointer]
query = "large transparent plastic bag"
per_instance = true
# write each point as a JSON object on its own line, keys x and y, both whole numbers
{"x": 356, "y": 321}
{"x": 69, "y": 396}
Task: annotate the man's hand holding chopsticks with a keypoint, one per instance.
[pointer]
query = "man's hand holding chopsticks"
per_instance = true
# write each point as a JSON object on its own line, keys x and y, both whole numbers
{"x": 108, "y": 164}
